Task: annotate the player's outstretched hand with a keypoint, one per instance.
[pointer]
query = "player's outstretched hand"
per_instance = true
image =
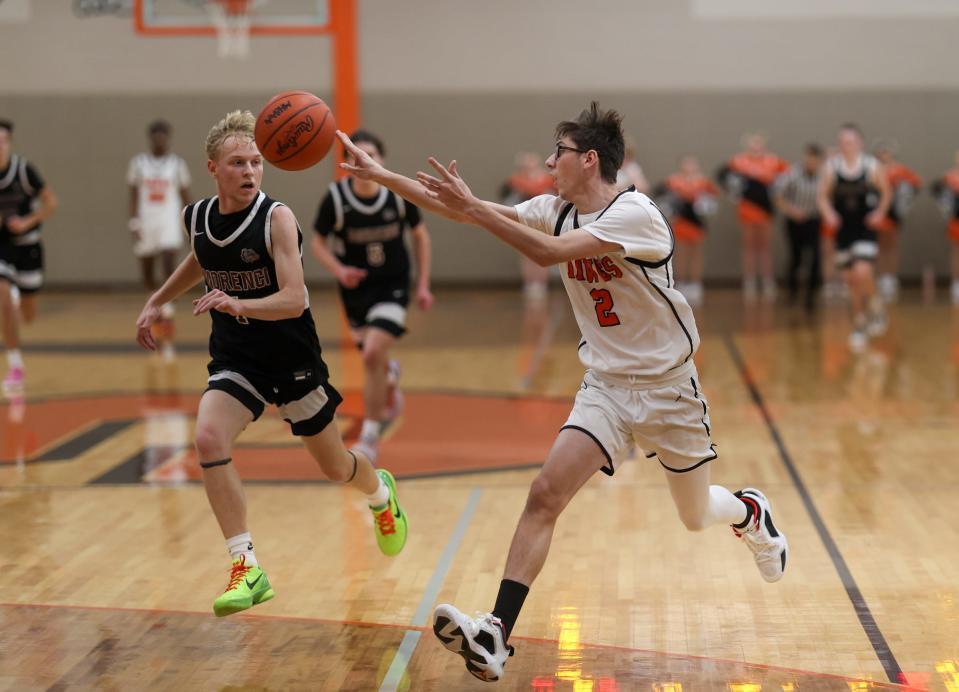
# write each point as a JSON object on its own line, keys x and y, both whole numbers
{"x": 424, "y": 298}
{"x": 358, "y": 163}
{"x": 148, "y": 317}
{"x": 217, "y": 300}
{"x": 350, "y": 277}
{"x": 449, "y": 188}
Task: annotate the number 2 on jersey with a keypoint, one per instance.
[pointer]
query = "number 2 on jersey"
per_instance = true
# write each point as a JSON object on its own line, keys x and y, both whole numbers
{"x": 604, "y": 307}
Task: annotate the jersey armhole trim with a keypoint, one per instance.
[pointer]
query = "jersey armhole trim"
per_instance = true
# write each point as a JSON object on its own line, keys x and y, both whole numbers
{"x": 400, "y": 206}
{"x": 561, "y": 219}
{"x": 337, "y": 206}
{"x": 672, "y": 248}
{"x": 192, "y": 229}
{"x": 24, "y": 179}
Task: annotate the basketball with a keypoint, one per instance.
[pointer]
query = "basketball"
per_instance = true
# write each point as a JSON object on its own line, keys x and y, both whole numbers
{"x": 295, "y": 130}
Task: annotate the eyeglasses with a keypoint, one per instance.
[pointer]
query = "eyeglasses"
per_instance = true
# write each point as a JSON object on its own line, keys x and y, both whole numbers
{"x": 560, "y": 148}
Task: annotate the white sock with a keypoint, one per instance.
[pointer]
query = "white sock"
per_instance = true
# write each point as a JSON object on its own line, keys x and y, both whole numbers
{"x": 242, "y": 544}
{"x": 380, "y": 496}
{"x": 724, "y": 507}
{"x": 15, "y": 358}
{"x": 371, "y": 430}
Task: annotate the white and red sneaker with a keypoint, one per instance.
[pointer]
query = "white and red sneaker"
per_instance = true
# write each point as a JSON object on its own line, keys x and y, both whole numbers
{"x": 767, "y": 543}
{"x": 480, "y": 641}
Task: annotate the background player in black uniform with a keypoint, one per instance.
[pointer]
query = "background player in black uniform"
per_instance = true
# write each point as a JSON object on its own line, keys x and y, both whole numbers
{"x": 854, "y": 196}
{"x": 25, "y": 203}
{"x": 366, "y": 223}
{"x": 247, "y": 249}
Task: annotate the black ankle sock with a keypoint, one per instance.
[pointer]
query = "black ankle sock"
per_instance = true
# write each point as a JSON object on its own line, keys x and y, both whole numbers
{"x": 509, "y": 601}
{"x": 751, "y": 510}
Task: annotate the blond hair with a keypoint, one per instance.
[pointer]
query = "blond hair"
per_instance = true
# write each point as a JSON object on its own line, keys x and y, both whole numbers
{"x": 237, "y": 124}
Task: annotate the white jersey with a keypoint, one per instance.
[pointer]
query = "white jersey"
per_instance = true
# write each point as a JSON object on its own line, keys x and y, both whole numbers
{"x": 634, "y": 323}
{"x": 159, "y": 180}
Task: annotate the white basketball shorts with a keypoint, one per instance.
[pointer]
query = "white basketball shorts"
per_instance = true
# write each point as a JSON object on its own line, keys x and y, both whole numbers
{"x": 670, "y": 423}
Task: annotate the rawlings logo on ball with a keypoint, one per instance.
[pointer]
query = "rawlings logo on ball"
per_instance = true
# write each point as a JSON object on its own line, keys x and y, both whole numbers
{"x": 277, "y": 112}
{"x": 290, "y": 136}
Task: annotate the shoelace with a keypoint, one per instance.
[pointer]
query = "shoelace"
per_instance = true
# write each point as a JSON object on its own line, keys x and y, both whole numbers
{"x": 386, "y": 522}
{"x": 239, "y": 570}
{"x": 493, "y": 622}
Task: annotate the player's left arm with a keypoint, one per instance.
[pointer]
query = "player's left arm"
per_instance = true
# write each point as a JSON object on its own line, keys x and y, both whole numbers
{"x": 48, "y": 204}
{"x": 290, "y": 300}
{"x": 422, "y": 249}
{"x": 881, "y": 181}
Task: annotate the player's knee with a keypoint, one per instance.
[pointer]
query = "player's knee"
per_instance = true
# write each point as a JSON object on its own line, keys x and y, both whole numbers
{"x": 544, "y": 499}
{"x": 374, "y": 357}
{"x": 340, "y": 469}
{"x": 210, "y": 442}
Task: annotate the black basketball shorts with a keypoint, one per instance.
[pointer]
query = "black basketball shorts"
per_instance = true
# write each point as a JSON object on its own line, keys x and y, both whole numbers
{"x": 854, "y": 245}
{"x": 378, "y": 303}
{"x": 305, "y": 398}
{"x": 22, "y": 266}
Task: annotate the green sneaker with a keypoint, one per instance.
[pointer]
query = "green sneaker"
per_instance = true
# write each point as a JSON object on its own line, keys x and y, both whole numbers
{"x": 389, "y": 521}
{"x": 248, "y": 586}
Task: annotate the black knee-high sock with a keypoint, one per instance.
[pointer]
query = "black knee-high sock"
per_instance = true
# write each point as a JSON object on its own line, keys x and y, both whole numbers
{"x": 509, "y": 601}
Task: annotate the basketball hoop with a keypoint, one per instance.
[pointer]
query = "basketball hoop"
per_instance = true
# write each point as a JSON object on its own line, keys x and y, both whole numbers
{"x": 232, "y": 20}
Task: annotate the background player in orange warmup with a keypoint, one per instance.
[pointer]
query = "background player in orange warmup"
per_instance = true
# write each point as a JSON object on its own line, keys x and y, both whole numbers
{"x": 529, "y": 180}
{"x": 688, "y": 197}
{"x": 946, "y": 190}
{"x": 748, "y": 177}
{"x": 904, "y": 184}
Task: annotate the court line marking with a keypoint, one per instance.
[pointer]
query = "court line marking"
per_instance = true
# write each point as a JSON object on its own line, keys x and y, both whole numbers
{"x": 305, "y": 619}
{"x": 866, "y": 620}
{"x": 401, "y": 660}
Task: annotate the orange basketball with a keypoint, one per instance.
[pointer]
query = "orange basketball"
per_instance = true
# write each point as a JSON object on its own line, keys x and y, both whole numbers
{"x": 295, "y": 130}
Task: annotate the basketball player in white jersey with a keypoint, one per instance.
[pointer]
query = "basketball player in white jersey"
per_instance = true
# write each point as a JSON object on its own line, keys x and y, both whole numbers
{"x": 854, "y": 197}
{"x": 639, "y": 337}
{"x": 159, "y": 183}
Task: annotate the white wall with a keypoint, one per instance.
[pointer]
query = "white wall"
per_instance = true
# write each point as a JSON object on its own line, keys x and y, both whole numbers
{"x": 504, "y": 45}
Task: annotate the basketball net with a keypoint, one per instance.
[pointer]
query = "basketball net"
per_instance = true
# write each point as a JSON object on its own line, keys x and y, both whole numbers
{"x": 232, "y": 21}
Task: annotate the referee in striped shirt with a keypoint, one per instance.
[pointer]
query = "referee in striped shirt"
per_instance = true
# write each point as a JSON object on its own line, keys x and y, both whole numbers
{"x": 794, "y": 194}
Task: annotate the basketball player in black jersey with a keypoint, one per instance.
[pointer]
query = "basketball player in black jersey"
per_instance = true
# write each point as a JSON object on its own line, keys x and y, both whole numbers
{"x": 854, "y": 196}
{"x": 247, "y": 249}
{"x": 26, "y": 201}
{"x": 367, "y": 223}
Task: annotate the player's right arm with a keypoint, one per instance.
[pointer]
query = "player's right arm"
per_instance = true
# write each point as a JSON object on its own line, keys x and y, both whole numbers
{"x": 348, "y": 277}
{"x": 184, "y": 277}
{"x": 407, "y": 188}
{"x": 824, "y": 197}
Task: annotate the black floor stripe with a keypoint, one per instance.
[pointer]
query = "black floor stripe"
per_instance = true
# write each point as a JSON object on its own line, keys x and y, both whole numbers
{"x": 85, "y": 441}
{"x": 133, "y": 469}
{"x": 868, "y": 622}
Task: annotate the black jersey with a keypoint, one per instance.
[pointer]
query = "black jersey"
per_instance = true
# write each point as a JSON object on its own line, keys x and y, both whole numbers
{"x": 236, "y": 254}
{"x": 368, "y": 232}
{"x": 20, "y": 185}
{"x": 853, "y": 195}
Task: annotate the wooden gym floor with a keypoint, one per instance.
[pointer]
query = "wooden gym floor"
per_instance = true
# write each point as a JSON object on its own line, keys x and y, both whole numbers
{"x": 111, "y": 558}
